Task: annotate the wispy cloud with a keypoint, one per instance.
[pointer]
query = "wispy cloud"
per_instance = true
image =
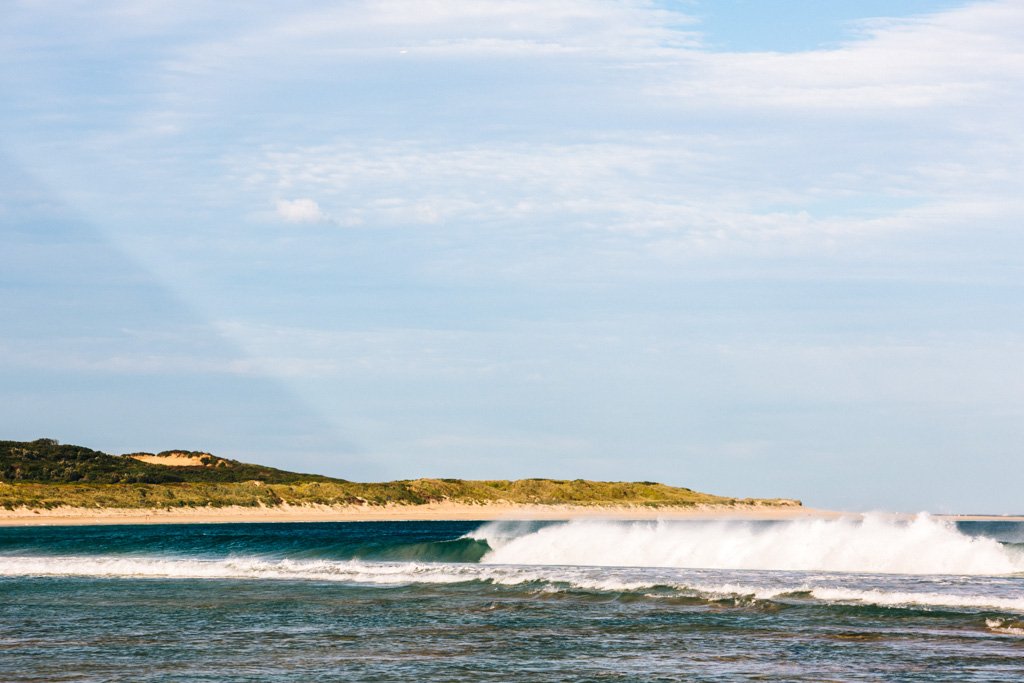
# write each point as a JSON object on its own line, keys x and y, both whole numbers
{"x": 303, "y": 210}
{"x": 903, "y": 113}
{"x": 961, "y": 58}
{"x": 692, "y": 192}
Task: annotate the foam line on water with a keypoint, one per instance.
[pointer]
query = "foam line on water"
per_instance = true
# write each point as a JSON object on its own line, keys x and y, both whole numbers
{"x": 545, "y": 579}
{"x": 875, "y": 544}
{"x": 881, "y": 598}
{"x": 351, "y": 571}
{"x": 915, "y": 599}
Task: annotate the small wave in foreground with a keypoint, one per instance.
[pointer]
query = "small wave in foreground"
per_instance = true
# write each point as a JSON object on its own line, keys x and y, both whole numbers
{"x": 652, "y": 584}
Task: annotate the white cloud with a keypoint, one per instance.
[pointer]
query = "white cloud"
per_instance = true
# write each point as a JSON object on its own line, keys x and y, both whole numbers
{"x": 424, "y": 28}
{"x": 638, "y": 52}
{"x": 958, "y": 58}
{"x": 303, "y": 210}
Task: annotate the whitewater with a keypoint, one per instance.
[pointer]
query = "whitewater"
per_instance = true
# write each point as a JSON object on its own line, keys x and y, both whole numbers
{"x": 874, "y": 543}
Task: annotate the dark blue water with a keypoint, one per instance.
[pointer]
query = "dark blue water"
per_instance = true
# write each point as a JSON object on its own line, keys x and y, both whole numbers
{"x": 463, "y": 601}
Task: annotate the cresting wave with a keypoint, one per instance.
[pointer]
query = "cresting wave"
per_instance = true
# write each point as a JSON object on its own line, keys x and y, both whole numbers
{"x": 874, "y": 544}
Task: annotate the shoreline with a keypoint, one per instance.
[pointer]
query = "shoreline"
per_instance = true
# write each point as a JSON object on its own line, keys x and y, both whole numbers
{"x": 67, "y": 516}
{"x": 432, "y": 512}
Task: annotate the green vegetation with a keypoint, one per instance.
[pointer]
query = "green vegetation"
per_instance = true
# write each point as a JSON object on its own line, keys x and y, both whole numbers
{"x": 46, "y": 461}
{"x": 44, "y": 474}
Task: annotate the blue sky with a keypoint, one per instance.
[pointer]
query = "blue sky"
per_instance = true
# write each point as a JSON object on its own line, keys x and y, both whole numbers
{"x": 755, "y": 248}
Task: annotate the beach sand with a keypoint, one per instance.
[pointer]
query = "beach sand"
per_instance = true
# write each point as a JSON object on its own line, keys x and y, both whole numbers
{"x": 434, "y": 512}
{"x": 394, "y": 513}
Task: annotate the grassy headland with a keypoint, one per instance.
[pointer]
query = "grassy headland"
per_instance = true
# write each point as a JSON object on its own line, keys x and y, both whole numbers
{"x": 43, "y": 474}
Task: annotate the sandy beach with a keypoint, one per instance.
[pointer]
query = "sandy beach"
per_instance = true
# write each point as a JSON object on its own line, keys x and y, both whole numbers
{"x": 436, "y": 512}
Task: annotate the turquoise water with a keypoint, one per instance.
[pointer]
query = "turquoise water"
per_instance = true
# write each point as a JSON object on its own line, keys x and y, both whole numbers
{"x": 923, "y": 600}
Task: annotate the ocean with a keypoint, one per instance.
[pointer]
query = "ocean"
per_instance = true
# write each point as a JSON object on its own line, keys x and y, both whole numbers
{"x": 804, "y": 600}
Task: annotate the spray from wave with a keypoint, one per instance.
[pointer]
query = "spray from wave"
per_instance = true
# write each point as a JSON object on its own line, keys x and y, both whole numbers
{"x": 875, "y": 544}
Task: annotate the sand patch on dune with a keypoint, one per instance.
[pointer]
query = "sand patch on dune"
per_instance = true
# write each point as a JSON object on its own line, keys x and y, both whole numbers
{"x": 172, "y": 459}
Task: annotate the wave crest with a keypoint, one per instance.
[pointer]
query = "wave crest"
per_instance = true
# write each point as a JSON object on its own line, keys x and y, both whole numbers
{"x": 874, "y": 544}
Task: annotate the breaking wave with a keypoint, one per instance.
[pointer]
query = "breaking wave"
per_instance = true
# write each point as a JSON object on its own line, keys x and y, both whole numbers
{"x": 875, "y": 544}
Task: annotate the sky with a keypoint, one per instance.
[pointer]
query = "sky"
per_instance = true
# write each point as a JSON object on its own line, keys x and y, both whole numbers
{"x": 752, "y": 248}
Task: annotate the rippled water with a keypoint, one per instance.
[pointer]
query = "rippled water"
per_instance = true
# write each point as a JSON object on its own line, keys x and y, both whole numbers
{"x": 580, "y": 601}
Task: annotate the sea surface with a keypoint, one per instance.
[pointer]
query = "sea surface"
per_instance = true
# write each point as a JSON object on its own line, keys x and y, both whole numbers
{"x": 804, "y": 600}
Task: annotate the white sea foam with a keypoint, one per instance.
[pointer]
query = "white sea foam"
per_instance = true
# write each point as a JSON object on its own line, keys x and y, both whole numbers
{"x": 344, "y": 571}
{"x": 665, "y": 582}
{"x": 1005, "y": 626}
{"x": 874, "y": 544}
{"x": 240, "y": 568}
{"x": 864, "y": 596}
{"x": 916, "y": 599}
